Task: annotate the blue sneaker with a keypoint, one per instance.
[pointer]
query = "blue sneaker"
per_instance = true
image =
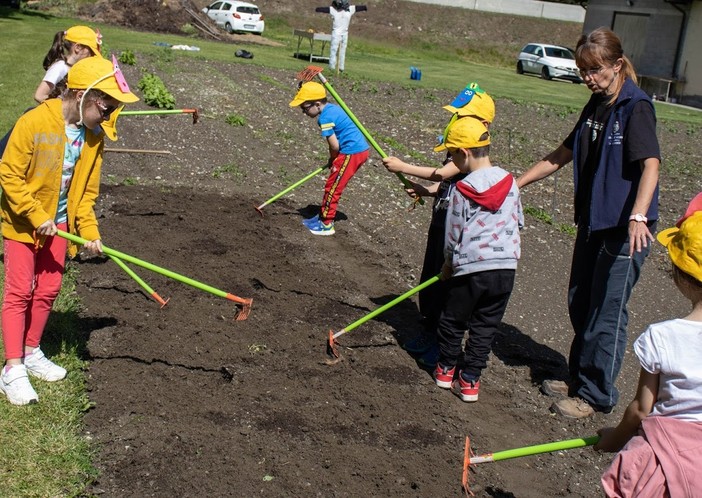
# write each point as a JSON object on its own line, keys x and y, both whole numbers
{"x": 430, "y": 358}
{"x": 311, "y": 221}
{"x": 320, "y": 228}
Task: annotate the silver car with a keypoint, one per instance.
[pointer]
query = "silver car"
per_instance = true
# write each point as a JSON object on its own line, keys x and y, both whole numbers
{"x": 550, "y": 61}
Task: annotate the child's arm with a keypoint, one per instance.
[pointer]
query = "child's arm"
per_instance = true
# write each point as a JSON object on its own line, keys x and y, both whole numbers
{"x": 614, "y": 439}
{"x": 333, "y": 143}
{"x": 395, "y": 165}
{"x": 43, "y": 91}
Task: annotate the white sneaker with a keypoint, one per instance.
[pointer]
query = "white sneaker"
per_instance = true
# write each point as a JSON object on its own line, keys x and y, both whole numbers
{"x": 40, "y": 366}
{"x": 15, "y": 384}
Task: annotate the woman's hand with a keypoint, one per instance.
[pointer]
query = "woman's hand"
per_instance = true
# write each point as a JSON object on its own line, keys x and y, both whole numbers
{"x": 639, "y": 236}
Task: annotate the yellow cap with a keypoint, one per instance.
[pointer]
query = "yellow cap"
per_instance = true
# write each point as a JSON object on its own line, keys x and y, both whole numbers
{"x": 310, "y": 90}
{"x": 85, "y": 36}
{"x": 473, "y": 101}
{"x": 684, "y": 245}
{"x": 110, "y": 126}
{"x": 100, "y": 74}
{"x": 464, "y": 133}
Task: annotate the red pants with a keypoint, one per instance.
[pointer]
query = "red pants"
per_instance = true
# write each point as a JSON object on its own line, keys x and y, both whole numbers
{"x": 32, "y": 283}
{"x": 343, "y": 168}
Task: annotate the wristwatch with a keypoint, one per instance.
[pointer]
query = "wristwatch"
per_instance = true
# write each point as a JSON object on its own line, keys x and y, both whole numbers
{"x": 638, "y": 217}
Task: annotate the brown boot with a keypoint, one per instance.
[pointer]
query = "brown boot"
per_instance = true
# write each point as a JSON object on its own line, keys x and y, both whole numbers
{"x": 573, "y": 408}
{"x": 557, "y": 388}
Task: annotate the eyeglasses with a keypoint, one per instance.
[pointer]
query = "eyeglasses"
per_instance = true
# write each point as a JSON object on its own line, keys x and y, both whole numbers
{"x": 306, "y": 108}
{"x": 593, "y": 71}
{"x": 105, "y": 110}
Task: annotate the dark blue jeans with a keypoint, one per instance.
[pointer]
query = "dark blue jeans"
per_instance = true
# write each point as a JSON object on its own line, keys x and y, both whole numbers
{"x": 602, "y": 276}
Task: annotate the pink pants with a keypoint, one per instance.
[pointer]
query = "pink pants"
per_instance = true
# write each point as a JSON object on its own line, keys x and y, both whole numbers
{"x": 342, "y": 170}
{"x": 32, "y": 283}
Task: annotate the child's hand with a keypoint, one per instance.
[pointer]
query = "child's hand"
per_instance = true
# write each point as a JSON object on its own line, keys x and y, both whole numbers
{"x": 393, "y": 164}
{"x": 47, "y": 228}
{"x": 417, "y": 190}
{"x": 94, "y": 247}
{"x": 446, "y": 271}
{"x": 609, "y": 440}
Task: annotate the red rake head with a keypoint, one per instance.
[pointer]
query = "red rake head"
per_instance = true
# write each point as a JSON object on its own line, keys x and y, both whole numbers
{"x": 259, "y": 209}
{"x": 196, "y": 116}
{"x": 309, "y": 73}
{"x": 467, "y": 453}
{"x": 332, "y": 349}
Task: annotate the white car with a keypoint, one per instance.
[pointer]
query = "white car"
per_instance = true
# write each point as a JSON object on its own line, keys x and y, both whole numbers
{"x": 550, "y": 61}
{"x": 236, "y": 17}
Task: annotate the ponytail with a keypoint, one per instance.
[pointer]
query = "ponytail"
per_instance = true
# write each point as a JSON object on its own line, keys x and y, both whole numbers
{"x": 57, "y": 50}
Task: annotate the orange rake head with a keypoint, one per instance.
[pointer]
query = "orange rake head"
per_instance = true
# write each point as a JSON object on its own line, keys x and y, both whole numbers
{"x": 243, "y": 306}
{"x": 309, "y": 73}
{"x": 196, "y": 115}
{"x": 332, "y": 344}
{"x": 466, "y": 469}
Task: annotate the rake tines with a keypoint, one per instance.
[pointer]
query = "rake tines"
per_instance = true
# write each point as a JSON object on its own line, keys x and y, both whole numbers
{"x": 309, "y": 73}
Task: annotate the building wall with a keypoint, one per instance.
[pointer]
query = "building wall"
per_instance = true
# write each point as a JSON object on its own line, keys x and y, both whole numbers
{"x": 531, "y": 8}
{"x": 650, "y": 31}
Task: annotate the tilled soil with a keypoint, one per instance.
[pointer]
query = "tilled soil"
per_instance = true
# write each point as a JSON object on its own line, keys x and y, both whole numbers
{"x": 189, "y": 401}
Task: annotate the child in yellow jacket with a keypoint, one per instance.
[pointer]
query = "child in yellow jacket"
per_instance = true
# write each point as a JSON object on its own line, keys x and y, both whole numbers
{"x": 50, "y": 177}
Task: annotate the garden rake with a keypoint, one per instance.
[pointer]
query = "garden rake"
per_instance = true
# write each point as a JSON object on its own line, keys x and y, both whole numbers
{"x": 243, "y": 304}
{"x": 470, "y": 459}
{"x": 308, "y": 74}
{"x": 194, "y": 112}
{"x": 332, "y": 343}
{"x": 138, "y": 280}
{"x": 291, "y": 187}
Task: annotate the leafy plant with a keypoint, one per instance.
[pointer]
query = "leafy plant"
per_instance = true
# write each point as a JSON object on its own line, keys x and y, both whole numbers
{"x": 539, "y": 213}
{"x": 235, "y": 120}
{"x": 127, "y": 57}
{"x": 231, "y": 169}
{"x": 155, "y": 92}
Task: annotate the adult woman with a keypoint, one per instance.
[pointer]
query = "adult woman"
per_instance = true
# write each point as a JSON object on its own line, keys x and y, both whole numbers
{"x": 615, "y": 156}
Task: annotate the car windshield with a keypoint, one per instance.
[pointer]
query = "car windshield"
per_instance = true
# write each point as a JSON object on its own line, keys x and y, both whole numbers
{"x": 559, "y": 53}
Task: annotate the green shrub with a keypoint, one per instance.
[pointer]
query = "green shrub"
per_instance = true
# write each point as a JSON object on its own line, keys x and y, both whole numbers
{"x": 127, "y": 57}
{"x": 235, "y": 120}
{"x": 155, "y": 92}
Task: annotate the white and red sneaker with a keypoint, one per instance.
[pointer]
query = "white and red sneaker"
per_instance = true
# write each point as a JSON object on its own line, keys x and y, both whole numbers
{"x": 443, "y": 376}
{"x": 467, "y": 390}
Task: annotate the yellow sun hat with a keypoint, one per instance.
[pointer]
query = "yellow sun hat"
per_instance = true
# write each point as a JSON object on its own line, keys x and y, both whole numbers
{"x": 84, "y": 36}
{"x": 310, "y": 90}
{"x": 473, "y": 101}
{"x": 464, "y": 133}
{"x": 684, "y": 245}
{"x": 100, "y": 74}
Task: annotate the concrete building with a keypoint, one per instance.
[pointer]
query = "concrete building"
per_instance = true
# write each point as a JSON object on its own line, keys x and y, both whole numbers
{"x": 663, "y": 39}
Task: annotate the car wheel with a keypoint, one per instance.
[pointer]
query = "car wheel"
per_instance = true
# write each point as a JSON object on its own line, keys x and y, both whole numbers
{"x": 545, "y": 74}
{"x": 229, "y": 28}
{"x": 520, "y": 68}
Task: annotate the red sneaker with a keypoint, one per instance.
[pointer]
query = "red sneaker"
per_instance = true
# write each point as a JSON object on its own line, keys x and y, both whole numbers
{"x": 443, "y": 376}
{"x": 467, "y": 390}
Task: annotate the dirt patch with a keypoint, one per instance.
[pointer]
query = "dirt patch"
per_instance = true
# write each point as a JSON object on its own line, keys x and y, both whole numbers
{"x": 188, "y": 401}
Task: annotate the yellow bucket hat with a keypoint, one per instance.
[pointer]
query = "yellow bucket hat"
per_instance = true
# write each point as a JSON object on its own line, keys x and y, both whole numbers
{"x": 310, "y": 90}
{"x": 85, "y": 36}
{"x": 684, "y": 245}
{"x": 465, "y": 133}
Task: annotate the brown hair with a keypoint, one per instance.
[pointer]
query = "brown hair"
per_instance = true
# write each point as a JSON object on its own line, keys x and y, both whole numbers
{"x": 602, "y": 47}
{"x": 58, "y": 49}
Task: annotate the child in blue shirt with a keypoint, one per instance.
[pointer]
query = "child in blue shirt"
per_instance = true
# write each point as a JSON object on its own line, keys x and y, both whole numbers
{"x": 348, "y": 150}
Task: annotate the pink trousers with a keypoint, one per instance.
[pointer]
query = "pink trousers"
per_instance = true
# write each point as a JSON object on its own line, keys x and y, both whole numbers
{"x": 32, "y": 283}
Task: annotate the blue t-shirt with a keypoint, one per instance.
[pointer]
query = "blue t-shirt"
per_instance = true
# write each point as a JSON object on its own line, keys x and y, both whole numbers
{"x": 334, "y": 121}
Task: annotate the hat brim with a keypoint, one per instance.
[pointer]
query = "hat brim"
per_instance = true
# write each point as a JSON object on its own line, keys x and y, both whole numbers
{"x": 451, "y": 109}
{"x": 110, "y": 126}
{"x": 441, "y": 147}
{"x": 296, "y": 102}
{"x": 665, "y": 236}
{"x": 116, "y": 93}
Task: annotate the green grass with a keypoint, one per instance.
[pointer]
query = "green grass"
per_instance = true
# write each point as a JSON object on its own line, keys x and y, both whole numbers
{"x": 42, "y": 449}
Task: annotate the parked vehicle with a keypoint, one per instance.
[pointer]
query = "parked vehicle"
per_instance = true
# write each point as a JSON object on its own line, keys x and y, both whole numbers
{"x": 550, "y": 61}
{"x": 236, "y": 17}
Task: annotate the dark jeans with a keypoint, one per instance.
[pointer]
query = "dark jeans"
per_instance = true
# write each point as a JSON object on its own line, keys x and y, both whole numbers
{"x": 432, "y": 298}
{"x": 602, "y": 277}
{"x": 478, "y": 300}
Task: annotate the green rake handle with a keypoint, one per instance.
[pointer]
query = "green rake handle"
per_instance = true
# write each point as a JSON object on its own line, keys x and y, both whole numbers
{"x": 387, "y": 306}
{"x": 154, "y": 111}
{"x": 291, "y": 187}
{"x": 138, "y": 280}
{"x": 566, "y": 444}
{"x": 368, "y": 136}
{"x": 168, "y": 273}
